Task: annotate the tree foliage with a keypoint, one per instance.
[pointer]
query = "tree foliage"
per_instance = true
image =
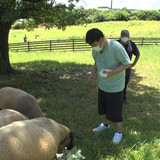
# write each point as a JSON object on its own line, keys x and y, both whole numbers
{"x": 48, "y": 13}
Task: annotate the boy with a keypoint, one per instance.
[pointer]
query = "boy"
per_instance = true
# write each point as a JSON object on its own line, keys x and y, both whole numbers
{"x": 110, "y": 55}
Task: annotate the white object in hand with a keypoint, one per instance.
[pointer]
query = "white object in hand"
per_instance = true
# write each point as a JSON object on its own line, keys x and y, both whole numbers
{"x": 103, "y": 74}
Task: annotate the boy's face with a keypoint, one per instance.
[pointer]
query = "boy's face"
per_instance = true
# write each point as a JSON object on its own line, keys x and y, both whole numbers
{"x": 97, "y": 43}
{"x": 94, "y": 44}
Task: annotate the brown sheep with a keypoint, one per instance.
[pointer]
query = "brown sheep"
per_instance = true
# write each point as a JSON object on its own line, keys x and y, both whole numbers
{"x": 8, "y": 116}
{"x": 16, "y": 99}
{"x": 35, "y": 139}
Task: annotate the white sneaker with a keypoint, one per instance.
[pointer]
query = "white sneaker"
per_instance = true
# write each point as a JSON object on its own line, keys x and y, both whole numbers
{"x": 117, "y": 138}
{"x": 101, "y": 127}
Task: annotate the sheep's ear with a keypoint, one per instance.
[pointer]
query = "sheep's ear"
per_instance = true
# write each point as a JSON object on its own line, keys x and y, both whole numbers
{"x": 73, "y": 135}
{"x": 67, "y": 142}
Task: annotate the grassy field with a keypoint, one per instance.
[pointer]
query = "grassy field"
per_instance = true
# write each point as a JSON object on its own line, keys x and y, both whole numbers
{"x": 110, "y": 29}
{"x": 59, "y": 81}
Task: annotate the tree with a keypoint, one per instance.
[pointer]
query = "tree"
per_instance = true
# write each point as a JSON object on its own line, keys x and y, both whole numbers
{"x": 49, "y": 13}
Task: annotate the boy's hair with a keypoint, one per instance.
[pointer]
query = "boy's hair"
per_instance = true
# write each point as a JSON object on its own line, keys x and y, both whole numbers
{"x": 93, "y": 35}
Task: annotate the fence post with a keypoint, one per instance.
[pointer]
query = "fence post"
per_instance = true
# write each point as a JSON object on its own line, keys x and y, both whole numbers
{"x": 28, "y": 47}
{"x": 142, "y": 40}
{"x": 50, "y": 44}
{"x": 73, "y": 44}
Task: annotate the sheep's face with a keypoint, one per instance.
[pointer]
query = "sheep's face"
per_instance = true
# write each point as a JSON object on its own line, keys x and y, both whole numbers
{"x": 68, "y": 141}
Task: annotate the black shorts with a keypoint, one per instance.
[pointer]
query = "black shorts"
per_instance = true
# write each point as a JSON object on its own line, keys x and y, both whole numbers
{"x": 110, "y": 104}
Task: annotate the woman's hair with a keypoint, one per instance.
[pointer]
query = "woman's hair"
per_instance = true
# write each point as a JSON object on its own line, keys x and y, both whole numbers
{"x": 93, "y": 35}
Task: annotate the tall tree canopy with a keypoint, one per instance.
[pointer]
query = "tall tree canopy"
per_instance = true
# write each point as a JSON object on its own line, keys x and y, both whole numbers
{"x": 49, "y": 13}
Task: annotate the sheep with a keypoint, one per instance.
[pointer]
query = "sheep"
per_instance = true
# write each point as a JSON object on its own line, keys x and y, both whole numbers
{"x": 8, "y": 116}
{"x": 16, "y": 99}
{"x": 33, "y": 139}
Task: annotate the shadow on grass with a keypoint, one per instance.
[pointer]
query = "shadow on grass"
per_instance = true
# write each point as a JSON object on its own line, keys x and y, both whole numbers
{"x": 66, "y": 96}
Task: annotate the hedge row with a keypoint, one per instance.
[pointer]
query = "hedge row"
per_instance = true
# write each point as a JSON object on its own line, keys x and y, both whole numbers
{"x": 94, "y": 15}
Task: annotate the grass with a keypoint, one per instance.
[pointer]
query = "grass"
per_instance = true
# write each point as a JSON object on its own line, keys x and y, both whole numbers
{"x": 59, "y": 81}
{"x": 110, "y": 29}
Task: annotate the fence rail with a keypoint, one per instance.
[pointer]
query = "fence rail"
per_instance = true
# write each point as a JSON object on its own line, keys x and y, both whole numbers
{"x": 70, "y": 44}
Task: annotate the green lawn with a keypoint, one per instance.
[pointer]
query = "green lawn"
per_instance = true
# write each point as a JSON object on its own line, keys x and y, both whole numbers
{"x": 59, "y": 81}
{"x": 110, "y": 29}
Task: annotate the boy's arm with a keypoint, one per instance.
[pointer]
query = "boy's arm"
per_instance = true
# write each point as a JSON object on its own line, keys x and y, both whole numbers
{"x": 119, "y": 69}
{"x": 93, "y": 73}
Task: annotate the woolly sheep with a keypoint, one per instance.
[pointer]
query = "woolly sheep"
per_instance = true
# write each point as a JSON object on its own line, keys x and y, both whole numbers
{"x": 16, "y": 99}
{"x": 35, "y": 139}
{"x": 8, "y": 116}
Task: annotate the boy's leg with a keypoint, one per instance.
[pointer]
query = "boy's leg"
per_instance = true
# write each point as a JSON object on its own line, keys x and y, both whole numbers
{"x": 105, "y": 120}
{"x": 119, "y": 127}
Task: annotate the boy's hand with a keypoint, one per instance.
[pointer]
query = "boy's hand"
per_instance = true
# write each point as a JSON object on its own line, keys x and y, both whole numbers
{"x": 108, "y": 73}
{"x": 91, "y": 78}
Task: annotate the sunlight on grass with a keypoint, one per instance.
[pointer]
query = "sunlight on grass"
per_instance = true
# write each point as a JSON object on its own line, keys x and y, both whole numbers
{"x": 133, "y": 132}
{"x": 110, "y": 29}
{"x": 83, "y": 57}
{"x": 140, "y": 151}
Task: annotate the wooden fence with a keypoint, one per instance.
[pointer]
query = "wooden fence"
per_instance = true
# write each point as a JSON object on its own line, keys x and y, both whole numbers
{"x": 69, "y": 45}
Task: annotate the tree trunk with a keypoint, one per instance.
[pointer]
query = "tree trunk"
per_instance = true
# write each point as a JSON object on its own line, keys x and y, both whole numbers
{"x": 5, "y": 66}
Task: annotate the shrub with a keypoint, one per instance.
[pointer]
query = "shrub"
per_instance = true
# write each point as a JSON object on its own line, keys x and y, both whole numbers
{"x": 121, "y": 15}
{"x": 18, "y": 25}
